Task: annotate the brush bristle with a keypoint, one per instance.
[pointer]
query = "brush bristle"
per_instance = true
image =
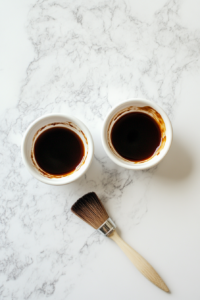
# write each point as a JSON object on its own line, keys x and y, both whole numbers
{"x": 90, "y": 209}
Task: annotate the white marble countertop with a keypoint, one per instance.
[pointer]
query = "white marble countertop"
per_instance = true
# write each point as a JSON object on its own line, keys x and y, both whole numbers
{"x": 81, "y": 58}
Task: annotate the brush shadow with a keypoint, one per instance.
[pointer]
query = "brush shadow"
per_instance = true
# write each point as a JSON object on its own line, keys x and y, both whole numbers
{"x": 118, "y": 230}
{"x": 178, "y": 163}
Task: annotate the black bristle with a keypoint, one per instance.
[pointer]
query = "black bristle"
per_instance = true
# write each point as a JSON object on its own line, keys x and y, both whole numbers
{"x": 90, "y": 209}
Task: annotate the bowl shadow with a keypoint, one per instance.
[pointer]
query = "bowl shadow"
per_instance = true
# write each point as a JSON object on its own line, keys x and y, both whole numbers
{"x": 178, "y": 163}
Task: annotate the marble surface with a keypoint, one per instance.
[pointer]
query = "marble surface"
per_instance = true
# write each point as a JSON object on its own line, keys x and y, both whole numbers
{"x": 81, "y": 58}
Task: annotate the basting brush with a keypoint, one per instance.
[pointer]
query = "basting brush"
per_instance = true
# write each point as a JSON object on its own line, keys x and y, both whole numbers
{"x": 90, "y": 209}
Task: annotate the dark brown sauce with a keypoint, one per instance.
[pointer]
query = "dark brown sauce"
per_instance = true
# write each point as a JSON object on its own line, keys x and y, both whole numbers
{"x": 58, "y": 151}
{"x": 136, "y": 136}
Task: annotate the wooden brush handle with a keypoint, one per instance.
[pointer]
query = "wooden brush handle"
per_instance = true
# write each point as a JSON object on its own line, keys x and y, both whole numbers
{"x": 141, "y": 264}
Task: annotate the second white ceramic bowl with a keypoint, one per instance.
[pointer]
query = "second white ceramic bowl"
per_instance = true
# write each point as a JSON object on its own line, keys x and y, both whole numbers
{"x": 135, "y": 103}
{"x": 44, "y": 123}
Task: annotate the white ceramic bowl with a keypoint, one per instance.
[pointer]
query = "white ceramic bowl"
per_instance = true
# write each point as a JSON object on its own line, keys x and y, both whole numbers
{"x": 137, "y": 105}
{"x": 43, "y": 123}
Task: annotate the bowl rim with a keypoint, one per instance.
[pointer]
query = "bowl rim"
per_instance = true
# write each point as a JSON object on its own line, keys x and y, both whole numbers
{"x": 106, "y": 122}
{"x": 66, "y": 179}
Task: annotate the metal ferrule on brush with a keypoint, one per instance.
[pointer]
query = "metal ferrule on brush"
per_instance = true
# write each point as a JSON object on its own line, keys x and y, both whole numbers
{"x": 107, "y": 227}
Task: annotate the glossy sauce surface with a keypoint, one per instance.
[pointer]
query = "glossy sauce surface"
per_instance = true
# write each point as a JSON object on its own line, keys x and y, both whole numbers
{"x": 136, "y": 136}
{"x": 58, "y": 150}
